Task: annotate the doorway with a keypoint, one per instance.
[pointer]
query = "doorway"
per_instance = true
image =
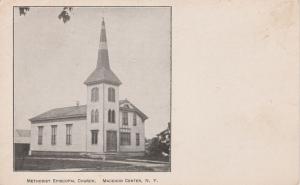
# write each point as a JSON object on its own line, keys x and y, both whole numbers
{"x": 111, "y": 141}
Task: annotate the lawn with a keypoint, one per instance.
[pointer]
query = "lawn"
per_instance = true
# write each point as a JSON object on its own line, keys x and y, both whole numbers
{"x": 30, "y": 164}
{"x": 44, "y": 164}
{"x": 152, "y": 158}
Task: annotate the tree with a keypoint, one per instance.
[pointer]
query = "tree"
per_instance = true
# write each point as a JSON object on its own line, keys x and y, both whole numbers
{"x": 153, "y": 149}
{"x": 65, "y": 15}
{"x": 157, "y": 149}
{"x": 23, "y": 10}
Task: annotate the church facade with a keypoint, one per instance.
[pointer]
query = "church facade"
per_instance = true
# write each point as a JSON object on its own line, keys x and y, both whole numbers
{"x": 105, "y": 125}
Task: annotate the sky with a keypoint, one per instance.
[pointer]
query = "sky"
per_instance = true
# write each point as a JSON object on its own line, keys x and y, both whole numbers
{"x": 53, "y": 59}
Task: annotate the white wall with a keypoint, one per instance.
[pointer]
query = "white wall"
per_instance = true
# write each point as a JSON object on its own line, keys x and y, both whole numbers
{"x": 113, "y": 106}
{"x": 81, "y": 129}
{"x": 139, "y": 128}
{"x": 94, "y": 126}
{"x": 103, "y": 106}
{"x": 78, "y": 136}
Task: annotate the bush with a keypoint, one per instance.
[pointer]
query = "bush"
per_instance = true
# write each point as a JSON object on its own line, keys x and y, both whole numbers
{"x": 157, "y": 149}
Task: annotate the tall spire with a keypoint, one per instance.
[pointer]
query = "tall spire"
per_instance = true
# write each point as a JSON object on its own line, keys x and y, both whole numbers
{"x": 102, "y": 73}
{"x": 103, "y": 60}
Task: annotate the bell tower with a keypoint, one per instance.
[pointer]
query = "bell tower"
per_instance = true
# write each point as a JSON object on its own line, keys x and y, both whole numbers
{"x": 102, "y": 103}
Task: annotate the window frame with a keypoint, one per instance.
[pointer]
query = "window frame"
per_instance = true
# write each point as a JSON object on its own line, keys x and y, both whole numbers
{"x": 92, "y": 116}
{"x": 92, "y": 95}
{"x": 69, "y": 134}
{"x": 111, "y": 94}
{"x": 111, "y": 116}
{"x": 94, "y": 137}
{"x": 53, "y": 134}
{"x": 125, "y": 138}
{"x": 134, "y": 119}
{"x": 95, "y": 94}
{"x": 125, "y": 118}
{"x": 40, "y": 135}
{"x": 96, "y": 118}
{"x": 137, "y": 139}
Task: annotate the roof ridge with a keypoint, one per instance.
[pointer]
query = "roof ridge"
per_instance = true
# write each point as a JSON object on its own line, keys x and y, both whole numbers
{"x": 73, "y": 110}
{"x": 67, "y": 107}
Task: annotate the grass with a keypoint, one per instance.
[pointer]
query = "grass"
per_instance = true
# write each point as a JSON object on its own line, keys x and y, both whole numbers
{"x": 152, "y": 158}
{"x": 33, "y": 164}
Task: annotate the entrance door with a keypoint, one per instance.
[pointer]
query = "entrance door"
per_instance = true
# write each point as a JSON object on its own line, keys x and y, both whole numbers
{"x": 111, "y": 141}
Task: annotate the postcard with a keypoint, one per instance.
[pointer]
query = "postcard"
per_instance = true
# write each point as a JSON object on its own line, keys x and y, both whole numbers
{"x": 149, "y": 92}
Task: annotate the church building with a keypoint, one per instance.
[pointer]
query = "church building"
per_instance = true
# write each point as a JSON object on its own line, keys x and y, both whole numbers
{"x": 104, "y": 126}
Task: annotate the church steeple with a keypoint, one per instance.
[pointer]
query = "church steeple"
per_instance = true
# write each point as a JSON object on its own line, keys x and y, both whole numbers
{"x": 103, "y": 72}
{"x": 103, "y": 60}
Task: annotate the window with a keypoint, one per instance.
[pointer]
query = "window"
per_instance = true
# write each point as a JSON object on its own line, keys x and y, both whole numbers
{"x": 95, "y": 94}
{"x": 69, "y": 134}
{"x": 40, "y": 135}
{"x": 137, "y": 139}
{"x": 134, "y": 119}
{"x": 92, "y": 116}
{"x": 94, "y": 137}
{"x": 111, "y": 94}
{"x": 125, "y": 138}
{"x": 53, "y": 134}
{"x": 125, "y": 118}
{"x": 96, "y": 116}
{"x": 111, "y": 116}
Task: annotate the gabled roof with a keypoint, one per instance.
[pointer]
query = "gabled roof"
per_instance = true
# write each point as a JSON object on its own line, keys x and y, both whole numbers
{"x": 76, "y": 112}
{"x": 132, "y": 108}
{"x": 61, "y": 113}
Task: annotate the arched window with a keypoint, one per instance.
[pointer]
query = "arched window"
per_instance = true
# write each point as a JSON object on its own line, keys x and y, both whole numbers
{"x": 109, "y": 115}
{"x": 113, "y": 116}
{"x": 92, "y": 117}
{"x": 96, "y": 116}
{"x": 92, "y": 95}
{"x": 95, "y": 94}
{"x": 134, "y": 119}
{"x": 111, "y": 94}
{"x": 125, "y": 118}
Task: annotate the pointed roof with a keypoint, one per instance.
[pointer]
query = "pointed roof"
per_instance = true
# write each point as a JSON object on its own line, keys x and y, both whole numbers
{"x": 103, "y": 72}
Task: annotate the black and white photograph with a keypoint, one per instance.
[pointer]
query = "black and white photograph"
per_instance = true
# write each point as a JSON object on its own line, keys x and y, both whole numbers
{"x": 92, "y": 88}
